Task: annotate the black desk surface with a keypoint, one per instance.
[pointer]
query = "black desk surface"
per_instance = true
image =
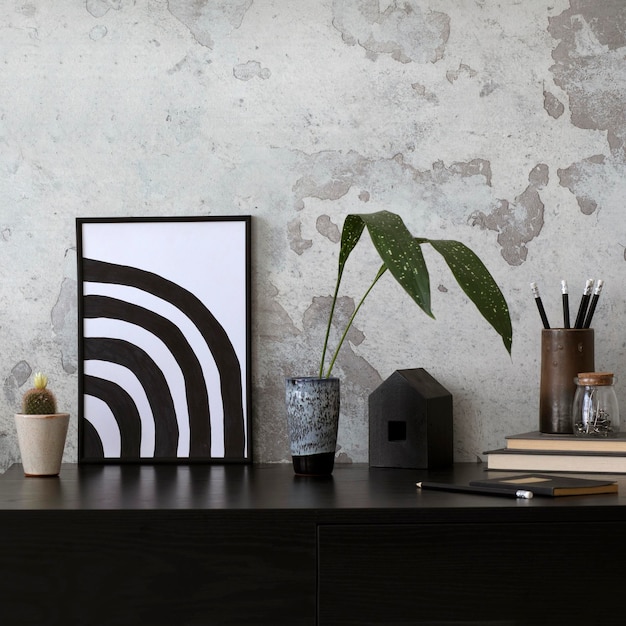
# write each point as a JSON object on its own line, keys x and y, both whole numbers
{"x": 120, "y": 545}
{"x": 273, "y": 487}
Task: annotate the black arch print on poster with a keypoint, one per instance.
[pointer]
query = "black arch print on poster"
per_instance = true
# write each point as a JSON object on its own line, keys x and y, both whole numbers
{"x": 164, "y": 339}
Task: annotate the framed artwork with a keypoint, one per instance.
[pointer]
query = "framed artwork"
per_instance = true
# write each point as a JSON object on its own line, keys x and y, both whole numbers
{"x": 164, "y": 339}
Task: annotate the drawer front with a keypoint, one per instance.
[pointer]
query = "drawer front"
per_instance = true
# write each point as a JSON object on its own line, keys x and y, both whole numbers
{"x": 156, "y": 568}
{"x": 470, "y": 574}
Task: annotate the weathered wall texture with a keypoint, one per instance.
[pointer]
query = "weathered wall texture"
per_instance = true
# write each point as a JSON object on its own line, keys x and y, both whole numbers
{"x": 499, "y": 123}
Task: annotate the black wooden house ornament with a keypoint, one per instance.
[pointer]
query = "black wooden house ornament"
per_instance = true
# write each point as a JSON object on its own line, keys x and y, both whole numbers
{"x": 410, "y": 422}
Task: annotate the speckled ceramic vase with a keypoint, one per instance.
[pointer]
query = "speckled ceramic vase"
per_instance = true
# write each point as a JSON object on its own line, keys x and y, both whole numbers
{"x": 313, "y": 419}
{"x": 42, "y": 439}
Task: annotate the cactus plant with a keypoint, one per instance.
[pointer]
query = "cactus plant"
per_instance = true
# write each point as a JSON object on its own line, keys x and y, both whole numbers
{"x": 39, "y": 400}
{"x": 41, "y": 431}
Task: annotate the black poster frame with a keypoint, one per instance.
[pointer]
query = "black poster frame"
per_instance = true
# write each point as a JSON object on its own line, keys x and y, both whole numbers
{"x": 164, "y": 318}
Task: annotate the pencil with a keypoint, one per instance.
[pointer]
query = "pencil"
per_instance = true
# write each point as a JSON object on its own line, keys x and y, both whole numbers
{"x": 594, "y": 302}
{"x": 539, "y": 303}
{"x": 507, "y": 492}
{"x": 565, "y": 298}
{"x": 584, "y": 301}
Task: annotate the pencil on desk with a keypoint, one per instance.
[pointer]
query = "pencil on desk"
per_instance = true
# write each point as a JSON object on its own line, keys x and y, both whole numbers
{"x": 507, "y": 492}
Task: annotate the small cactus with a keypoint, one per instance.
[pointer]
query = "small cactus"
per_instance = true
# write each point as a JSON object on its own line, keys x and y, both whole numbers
{"x": 39, "y": 400}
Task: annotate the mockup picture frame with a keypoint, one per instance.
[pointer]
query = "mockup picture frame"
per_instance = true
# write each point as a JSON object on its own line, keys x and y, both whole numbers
{"x": 164, "y": 339}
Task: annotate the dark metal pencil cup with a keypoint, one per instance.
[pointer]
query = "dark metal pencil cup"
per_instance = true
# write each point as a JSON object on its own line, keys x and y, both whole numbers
{"x": 564, "y": 354}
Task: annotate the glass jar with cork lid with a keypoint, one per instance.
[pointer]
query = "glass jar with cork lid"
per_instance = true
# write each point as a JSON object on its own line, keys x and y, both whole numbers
{"x": 595, "y": 412}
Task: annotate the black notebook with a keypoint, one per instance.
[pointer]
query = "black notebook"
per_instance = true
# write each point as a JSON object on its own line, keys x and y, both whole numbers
{"x": 547, "y": 485}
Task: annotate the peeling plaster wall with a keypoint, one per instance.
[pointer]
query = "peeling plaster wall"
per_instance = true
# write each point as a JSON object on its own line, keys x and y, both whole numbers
{"x": 499, "y": 123}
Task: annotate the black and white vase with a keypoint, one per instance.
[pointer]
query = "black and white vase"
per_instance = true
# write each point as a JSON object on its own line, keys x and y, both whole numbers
{"x": 313, "y": 419}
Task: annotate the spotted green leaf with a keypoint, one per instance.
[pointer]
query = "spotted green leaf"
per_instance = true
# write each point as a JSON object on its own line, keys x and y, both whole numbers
{"x": 398, "y": 249}
{"x": 401, "y": 254}
{"x": 476, "y": 281}
{"x": 352, "y": 228}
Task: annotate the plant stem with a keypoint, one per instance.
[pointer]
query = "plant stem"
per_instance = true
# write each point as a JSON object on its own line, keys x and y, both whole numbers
{"x": 381, "y": 271}
{"x": 330, "y": 320}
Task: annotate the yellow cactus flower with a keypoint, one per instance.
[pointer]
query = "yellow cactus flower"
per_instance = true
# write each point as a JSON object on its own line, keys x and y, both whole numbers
{"x": 40, "y": 381}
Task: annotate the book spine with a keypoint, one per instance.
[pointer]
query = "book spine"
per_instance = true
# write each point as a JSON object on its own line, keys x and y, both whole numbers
{"x": 556, "y": 463}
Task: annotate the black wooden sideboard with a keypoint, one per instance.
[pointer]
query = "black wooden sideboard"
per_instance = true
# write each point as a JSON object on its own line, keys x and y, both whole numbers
{"x": 254, "y": 544}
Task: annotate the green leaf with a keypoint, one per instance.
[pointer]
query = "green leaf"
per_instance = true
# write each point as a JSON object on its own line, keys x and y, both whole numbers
{"x": 476, "y": 281}
{"x": 401, "y": 253}
{"x": 350, "y": 235}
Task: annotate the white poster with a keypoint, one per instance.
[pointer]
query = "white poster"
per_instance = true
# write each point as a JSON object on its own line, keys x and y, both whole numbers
{"x": 164, "y": 319}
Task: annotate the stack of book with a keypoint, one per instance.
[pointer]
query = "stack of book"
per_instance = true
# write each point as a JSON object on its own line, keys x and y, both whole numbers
{"x": 541, "y": 452}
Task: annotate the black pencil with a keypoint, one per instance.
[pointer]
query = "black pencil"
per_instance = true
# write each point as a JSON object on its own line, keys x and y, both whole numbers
{"x": 539, "y": 303}
{"x": 507, "y": 492}
{"x": 584, "y": 301}
{"x": 565, "y": 297}
{"x": 594, "y": 302}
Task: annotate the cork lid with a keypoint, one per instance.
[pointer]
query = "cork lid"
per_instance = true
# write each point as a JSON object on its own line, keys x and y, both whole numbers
{"x": 595, "y": 378}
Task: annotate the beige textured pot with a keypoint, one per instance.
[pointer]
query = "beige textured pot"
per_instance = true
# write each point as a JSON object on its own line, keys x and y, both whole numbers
{"x": 42, "y": 441}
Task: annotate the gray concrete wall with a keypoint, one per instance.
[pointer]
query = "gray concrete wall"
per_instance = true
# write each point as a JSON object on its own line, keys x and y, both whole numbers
{"x": 498, "y": 123}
